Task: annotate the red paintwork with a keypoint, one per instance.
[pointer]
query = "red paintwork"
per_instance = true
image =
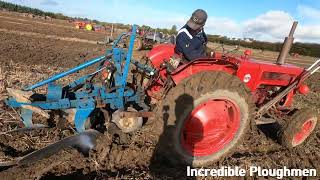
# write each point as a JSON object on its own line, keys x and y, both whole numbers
{"x": 197, "y": 66}
{"x": 305, "y": 131}
{"x": 104, "y": 72}
{"x": 210, "y": 127}
{"x": 160, "y": 53}
{"x": 81, "y": 24}
{"x": 287, "y": 102}
{"x": 267, "y": 73}
{"x": 254, "y": 73}
{"x": 163, "y": 52}
{"x": 304, "y": 89}
{"x": 247, "y": 52}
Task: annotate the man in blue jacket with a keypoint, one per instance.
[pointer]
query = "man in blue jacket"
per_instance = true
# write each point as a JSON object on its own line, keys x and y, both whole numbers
{"x": 191, "y": 39}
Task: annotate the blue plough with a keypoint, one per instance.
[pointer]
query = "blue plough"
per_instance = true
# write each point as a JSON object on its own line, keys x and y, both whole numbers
{"x": 81, "y": 97}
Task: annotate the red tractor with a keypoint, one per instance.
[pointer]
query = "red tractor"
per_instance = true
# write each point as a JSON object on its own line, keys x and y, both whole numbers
{"x": 203, "y": 109}
{"x": 209, "y": 103}
{"x": 88, "y": 26}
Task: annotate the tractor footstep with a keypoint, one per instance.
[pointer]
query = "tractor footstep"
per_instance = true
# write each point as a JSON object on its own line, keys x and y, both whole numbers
{"x": 83, "y": 141}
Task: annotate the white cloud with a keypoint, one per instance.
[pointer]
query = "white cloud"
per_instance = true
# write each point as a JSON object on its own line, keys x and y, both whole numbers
{"x": 275, "y": 25}
{"x": 272, "y": 26}
{"x": 308, "y": 12}
{"x": 49, "y": 3}
{"x": 308, "y": 33}
{"x": 223, "y": 26}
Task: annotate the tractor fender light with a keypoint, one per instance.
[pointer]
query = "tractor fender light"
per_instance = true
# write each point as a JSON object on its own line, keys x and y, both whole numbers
{"x": 303, "y": 89}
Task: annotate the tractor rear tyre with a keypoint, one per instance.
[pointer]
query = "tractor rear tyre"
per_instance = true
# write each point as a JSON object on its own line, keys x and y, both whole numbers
{"x": 205, "y": 117}
{"x": 301, "y": 125}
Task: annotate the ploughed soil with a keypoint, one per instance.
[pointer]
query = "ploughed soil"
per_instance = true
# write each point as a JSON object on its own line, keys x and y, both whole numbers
{"x": 28, "y": 55}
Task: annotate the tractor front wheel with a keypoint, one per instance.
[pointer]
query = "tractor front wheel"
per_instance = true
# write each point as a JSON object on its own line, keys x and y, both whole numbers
{"x": 301, "y": 125}
{"x": 205, "y": 117}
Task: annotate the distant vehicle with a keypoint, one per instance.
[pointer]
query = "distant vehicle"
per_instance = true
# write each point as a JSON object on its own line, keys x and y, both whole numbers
{"x": 88, "y": 26}
{"x": 146, "y": 39}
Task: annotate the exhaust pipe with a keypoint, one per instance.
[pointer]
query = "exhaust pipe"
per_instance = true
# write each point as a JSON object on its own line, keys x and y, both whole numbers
{"x": 286, "y": 46}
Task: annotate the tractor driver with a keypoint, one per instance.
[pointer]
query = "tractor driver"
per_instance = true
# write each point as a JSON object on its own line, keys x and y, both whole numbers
{"x": 191, "y": 39}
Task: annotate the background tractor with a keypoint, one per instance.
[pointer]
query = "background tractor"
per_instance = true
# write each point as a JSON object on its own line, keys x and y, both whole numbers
{"x": 88, "y": 26}
{"x": 83, "y": 25}
{"x": 200, "y": 110}
{"x": 145, "y": 39}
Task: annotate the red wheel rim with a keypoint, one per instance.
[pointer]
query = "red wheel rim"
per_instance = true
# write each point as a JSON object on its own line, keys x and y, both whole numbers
{"x": 304, "y": 132}
{"x": 210, "y": 127}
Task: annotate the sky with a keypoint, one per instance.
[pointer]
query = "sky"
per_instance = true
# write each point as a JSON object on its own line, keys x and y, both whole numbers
{"x": 267, "y": 20}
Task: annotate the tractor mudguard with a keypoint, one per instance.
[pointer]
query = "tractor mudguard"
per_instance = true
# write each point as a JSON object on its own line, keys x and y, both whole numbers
{"x": 164, "y": 52}
{"x": 200, "y": 65}
{"x": 160, "y": 53}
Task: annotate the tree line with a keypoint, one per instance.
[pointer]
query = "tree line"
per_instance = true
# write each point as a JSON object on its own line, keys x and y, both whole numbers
{"x": 308, "y": 49}
{"x": 25, "y": 9}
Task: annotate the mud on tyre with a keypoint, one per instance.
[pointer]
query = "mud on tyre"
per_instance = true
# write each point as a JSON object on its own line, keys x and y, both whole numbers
{"x": 205, "y": 117}
{"x": 299, "y": 128}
